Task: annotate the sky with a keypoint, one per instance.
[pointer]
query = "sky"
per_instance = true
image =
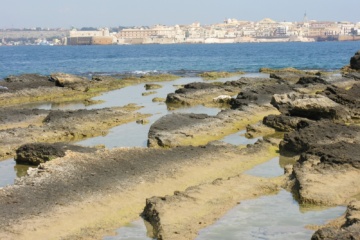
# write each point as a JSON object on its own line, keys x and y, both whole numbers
{"x": 113, "y": 13}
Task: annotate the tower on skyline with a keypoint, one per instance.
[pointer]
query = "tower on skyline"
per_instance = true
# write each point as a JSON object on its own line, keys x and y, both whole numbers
{"x": 305, "y": 17}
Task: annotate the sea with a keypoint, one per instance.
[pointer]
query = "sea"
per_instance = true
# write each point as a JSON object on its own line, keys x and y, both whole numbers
{"x": 181, "y": 59}
{"x": 277, "y": 216}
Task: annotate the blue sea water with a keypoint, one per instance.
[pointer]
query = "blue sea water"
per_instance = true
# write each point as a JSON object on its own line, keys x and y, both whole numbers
{"x": 182, "y": 58}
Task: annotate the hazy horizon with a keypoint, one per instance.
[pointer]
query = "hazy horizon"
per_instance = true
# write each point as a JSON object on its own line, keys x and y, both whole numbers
{"x": 113, "y": 13}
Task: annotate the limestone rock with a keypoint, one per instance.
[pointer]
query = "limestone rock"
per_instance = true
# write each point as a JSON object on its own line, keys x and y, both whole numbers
{"x": 311, "y": 134}
{"x": 349, "y": 231}
{"x": 348, "y": 98}
{"x": 309, "y": 106}
{"x": 257, "y": 130}
{"x": 282, "y": 122}
{"x": 260, "y": 94}
{"x": 70, "y": 81}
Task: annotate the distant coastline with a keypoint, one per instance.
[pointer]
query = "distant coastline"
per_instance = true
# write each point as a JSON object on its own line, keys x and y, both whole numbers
{"x": 230, "y": 31}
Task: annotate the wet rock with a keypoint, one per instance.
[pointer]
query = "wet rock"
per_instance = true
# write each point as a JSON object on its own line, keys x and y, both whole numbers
{"x": 70, "y": 81}
{"x": 312, "y": 134}
{"x": 309, "y": 106}
{"x": 282, "y": 122}
{"x": 36, "y": 153}
{"x": 355, "y": 61}
{"x": 350, "y": 230}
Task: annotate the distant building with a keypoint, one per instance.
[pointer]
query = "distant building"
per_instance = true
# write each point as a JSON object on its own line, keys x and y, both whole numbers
{"x": 99, "y": 37}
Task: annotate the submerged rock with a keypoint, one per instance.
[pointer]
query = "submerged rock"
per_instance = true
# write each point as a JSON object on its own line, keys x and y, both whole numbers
{"x": 36, "y": 153}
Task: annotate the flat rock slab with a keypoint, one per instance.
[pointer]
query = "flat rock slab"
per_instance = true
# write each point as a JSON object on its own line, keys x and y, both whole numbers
{"x": 199, "y": 93}
{"x": 13, "y": 118}
{"x": 26, "y": 81}
{"x": 258, "y": 91}
{"x": 64, "y": 126}
{"x": 196, "y": 129}
{"x": 182, "y": 215}
{"x": 67, "y": 197}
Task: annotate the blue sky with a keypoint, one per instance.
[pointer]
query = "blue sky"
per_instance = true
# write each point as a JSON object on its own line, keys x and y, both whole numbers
{"x": 111, "y": 13}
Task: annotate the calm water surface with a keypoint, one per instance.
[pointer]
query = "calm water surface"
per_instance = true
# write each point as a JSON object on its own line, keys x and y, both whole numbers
{"x": 174, "y": 58}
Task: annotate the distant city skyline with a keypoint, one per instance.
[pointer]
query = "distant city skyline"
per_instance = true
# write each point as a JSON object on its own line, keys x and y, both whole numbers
{"x": 112, "y": 13}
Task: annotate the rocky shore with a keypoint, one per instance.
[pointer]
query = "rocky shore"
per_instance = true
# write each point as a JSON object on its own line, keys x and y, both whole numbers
{"x": 185, "y": 179}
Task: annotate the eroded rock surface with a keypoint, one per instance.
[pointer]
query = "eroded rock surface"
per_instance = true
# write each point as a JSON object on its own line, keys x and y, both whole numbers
{"x": 36, "y": 153}
{"x": 311, "y": 134}
{"x": 350, "y": 229}
{"x": 282, "y": 123}
{"x": 108, "y": 188}
{"x": 328, "y": 171}
{"x": 347, "y": 98}
{"x": 309, "y": 106}
{"x": 182, "y": 215}
{"x": 259, "y": 92}
{"x": 60, "y": 126}
{"x": 197, "y": 129}
{"x": 199, "y": 93}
